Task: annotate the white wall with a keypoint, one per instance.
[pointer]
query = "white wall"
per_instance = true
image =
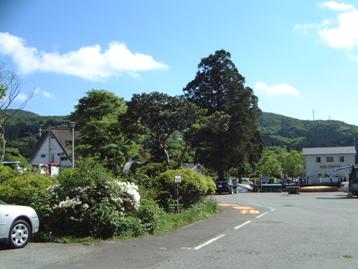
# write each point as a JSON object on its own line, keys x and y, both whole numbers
{"x": 313, "y": 169}
{"x": 50, "y": 149}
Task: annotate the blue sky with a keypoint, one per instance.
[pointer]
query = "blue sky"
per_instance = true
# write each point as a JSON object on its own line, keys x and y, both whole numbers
{"x": 298, "y": 55}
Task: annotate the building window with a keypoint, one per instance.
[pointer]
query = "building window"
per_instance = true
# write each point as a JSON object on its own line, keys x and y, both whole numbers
{"x": 43, "y": 155}
{"x": 318, "y": 159}
{"x": 341, "y": 159}
{"x": 329, "y": 159}
{"x": 64, "y": 159}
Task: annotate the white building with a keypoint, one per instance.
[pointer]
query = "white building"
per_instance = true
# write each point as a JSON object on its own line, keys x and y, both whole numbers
{"x": 322, "y": 164}
{"x": 54, "y": 146}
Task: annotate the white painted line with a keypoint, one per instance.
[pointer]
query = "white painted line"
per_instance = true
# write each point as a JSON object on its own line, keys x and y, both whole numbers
{"x": 185, "y": 248}
{"x": 263, "y": 214}
{"x": 209, "y": 242}
{"x": 242, "y": 225}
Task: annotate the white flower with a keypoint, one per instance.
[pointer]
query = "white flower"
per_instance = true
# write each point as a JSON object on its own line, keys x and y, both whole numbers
{"x": 69, "y": 203}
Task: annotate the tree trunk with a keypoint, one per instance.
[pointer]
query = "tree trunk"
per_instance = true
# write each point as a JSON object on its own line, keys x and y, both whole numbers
{"x": 3, "y": 144}
{"x": 221, "y": 174}
{"x": 167, "y": 158}
{"x": 182, "y": 155}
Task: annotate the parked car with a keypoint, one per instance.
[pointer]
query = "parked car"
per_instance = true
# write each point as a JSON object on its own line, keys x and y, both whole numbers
{"x": 14, "y": 165}
{"x": 17, "y": 224}
{"x": 225, "y": 185}
{"x": 247, "y": 181}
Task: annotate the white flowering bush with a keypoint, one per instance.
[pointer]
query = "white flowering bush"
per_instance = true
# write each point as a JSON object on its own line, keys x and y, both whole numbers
{"x": 88, "y": 201}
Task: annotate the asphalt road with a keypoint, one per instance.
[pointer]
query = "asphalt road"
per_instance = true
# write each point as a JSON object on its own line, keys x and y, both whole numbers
{"x": 255, "y": 230}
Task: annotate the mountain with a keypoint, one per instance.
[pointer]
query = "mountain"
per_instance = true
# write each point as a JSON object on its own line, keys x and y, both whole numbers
{"x": 276, "y": 130}
{"x": 22, "y": 129}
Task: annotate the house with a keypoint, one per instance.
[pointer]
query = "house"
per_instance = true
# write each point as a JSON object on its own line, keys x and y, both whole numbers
{"x": 54, "y": 146}
{"x": 195, "y": 167}
{"x": 324, "y": 165}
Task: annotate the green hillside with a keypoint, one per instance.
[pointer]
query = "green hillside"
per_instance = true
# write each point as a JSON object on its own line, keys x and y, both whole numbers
{"x": 23, "y": 128}
{"x": 276, "y": 130}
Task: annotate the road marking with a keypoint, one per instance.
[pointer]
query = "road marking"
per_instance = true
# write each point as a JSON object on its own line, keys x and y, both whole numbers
{"x": 263, "y": 214}
{"x": 209, "y": 242}
{"x": 185, "y": 248}
{"x": 242, "y": 225}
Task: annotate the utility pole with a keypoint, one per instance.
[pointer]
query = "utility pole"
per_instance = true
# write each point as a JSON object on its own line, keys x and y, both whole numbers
{"x": 73, "y": 143}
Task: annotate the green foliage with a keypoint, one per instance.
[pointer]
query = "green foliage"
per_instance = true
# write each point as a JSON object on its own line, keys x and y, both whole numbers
{"x": 199, "y": 211}
{"x": 269, "y": 165}
{"x": 6, "y": 173}
{"x": 23, "y": 188}
{"x": 22, "y": 131}
{"x": 279, "y": 162}
{"x": 160, "y": 116}
{"x": 102, "y": 136}
{"x": 88, "y": 201}
{"x": 193, "y": 187}
{"x": 278, "y": 130}
{"x": 230, "y": 136}
{"x": 150, "y": 215}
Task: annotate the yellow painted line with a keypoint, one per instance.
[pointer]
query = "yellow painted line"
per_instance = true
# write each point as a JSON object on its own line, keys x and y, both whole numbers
{"x": 243, "y": 209}
{"x": 227, "y": 205}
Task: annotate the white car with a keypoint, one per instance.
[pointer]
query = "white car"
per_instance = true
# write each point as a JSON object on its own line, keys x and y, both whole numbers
{"x": 17, "y": 224}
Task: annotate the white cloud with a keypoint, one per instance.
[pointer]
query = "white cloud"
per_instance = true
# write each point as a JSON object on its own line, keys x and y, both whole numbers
{"x": 21, "y": 97}
{"x": 339, "y": 33}
{"x": 43, "y": 93}
{"x": 310, "y": 26}
{"x": 333, "y": 5}
{"x": 47, "y": 94}
{"x": 90, "y": 62}
{"x": 345, "y": 35}
{"x": 277, "y": 89}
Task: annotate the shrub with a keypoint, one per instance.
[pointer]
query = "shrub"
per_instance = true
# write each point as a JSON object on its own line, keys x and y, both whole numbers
{"x": 6, "y": 173}
{"x": 150, "y": 215}
{"x": 192, "y": 188}
{"x": 23, "y": 188}
{"x": 88, "y": 201}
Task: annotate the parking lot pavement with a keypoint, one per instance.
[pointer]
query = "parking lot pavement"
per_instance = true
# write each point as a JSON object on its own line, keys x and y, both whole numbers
{"x": 38, "y": 255}
{"x": 255, "y": 230}
{"x": 133, "y": 253}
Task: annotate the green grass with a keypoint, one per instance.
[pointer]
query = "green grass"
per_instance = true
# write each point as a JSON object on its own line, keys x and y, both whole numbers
{"x": 200, "y": 211}
{"x": 169, "y": 222}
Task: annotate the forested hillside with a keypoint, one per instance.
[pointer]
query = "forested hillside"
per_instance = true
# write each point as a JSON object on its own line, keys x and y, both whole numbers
{"x": 23, "y": 128}
{"x": 276, "y": 130}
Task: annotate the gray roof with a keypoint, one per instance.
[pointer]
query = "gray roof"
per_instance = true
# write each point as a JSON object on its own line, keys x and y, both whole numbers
{"x": 61, "y": 135}
{"x": 329, "y": 151}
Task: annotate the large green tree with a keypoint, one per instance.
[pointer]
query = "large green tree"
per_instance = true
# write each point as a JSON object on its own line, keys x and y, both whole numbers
{"x": 269, "y": 165}
{"x": 162, "y": 117}
{"x": 229, "y": 137}
{"x": 102, "y": 135}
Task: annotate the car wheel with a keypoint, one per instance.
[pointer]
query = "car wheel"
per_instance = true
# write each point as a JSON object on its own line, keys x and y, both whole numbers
{"x": 20, "y": 234}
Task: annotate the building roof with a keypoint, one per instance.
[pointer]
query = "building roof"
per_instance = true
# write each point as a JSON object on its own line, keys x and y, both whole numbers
{"x": 329, "y": 151}
{"x": 61, "y": 135}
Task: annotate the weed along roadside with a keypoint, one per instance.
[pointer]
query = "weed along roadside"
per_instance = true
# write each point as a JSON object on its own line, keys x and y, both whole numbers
{"x": 88, "y": 203}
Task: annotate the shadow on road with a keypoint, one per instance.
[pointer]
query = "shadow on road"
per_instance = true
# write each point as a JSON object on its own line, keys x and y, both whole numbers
{"x": 4, "y": 247}
{"x": 338, "y": 196}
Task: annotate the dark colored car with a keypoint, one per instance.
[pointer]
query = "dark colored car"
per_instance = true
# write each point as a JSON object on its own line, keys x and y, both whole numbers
{"x": 225, "y": 185}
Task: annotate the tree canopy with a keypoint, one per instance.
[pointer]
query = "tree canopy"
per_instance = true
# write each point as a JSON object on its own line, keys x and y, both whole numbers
{"x": 161, "y": 116}
{"x": 102, "y": 136}
{"x": 229, "y": 137}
